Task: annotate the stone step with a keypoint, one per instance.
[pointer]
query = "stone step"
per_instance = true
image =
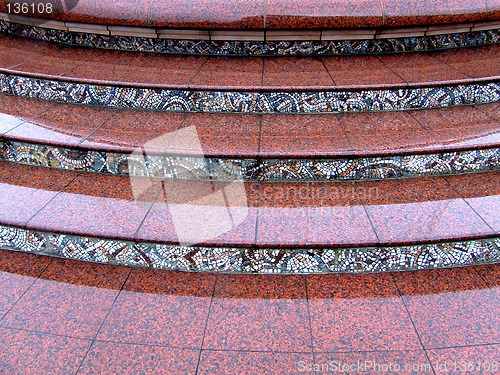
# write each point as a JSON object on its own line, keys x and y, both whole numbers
{"x": 329, "y": 84}
{"x": 269, "y": 147}
{"x": 249, "y": 227}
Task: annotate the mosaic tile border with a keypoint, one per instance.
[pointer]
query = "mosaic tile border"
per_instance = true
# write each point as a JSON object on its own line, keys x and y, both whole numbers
{"x": 252, "y": 170}
{"x": 372, "y": 43}
{"x": 239, "y": 260}
{"x": 173, "y": 100}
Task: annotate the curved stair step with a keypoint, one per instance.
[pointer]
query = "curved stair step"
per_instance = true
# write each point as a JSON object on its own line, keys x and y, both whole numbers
{"x": 249, "y": 85}
{"x": 269, "y": 147}
{"x": 244, "y": 227}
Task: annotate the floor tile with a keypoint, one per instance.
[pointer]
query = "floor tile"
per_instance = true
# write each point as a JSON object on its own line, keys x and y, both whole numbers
{"x": 388, "y": 133}
{"x": 161, "y": 308}
{"x": 283, "y": 14}
{"x": 312, "y": 214}
{"x": 124, "y": 12}
{"x": 302, "y": 135}
{"x": 360, "y": 71}
{"x": 223, "y": 216}
{"x": 22, "y": 264}
{"x": 232, "y": 71}
{"x": 220, "y": 135}
{"x": 23, "y": 353}
{"x": 481, "y": 359}
{"x": 315, "y": 226}
{"x": 97, "y": 205}
{"x": 113, "y": 358}
{"x": 471, "y": 62}
{"x": 259, "y": 313}
{"x": 451, "y": 307}
{"x": 214, "y": 14}
{"x": 16, "y": 110}
{"x": 70, "y": 298}
{"x": 295, "y": 72}
{"x": 358, "y": 313}
{"x": 490, "y": 274}
{"x": 421, "y": 68}
{"x": 167, "y": 70}
{"x": 129, "y": 129}
{"x": 415, "y": 12}
{"x": 424, "y": 209}
{"x": 25, "y": 190}
{"x": 65, "y": 125}
{"x": 482, "y": 192}
{"x": 492, "y": 110}
{"x": 459, "y": 126}
{"x": 252, "y": 363}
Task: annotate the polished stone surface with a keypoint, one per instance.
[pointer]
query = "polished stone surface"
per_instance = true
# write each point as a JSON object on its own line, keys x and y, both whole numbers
{"x": 276, "y": 214}
{"x": 282, "y": 14}
{"x": 68, "y": 317}
{"x": 246, "y": 73}
{"x": 251, "y": 135}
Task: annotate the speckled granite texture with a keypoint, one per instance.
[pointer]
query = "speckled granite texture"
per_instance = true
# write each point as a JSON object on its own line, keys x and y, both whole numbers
{"x": 267, "y": 14}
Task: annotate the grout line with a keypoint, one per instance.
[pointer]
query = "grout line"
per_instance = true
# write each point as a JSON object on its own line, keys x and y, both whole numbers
{"x": 393, "y": 71}
{"x": 491, "y": 287}
{"x": 44, "y": 333}
{"x": 306, "y": 284}
{"x": 467, "y": 202}
{"x": 327, "y": 71}
{"x": 35, "y": 279}
{"x": 103, "y": 321}
{"x": 427, "y": 130}
{"x": 157, "y": 196}
{"x": 105, "y": 122}
{"x": 383, "y": 13}
{"x": 412, "y": 321}
{"x": 56, "y": 195}
{"x": 206, "y": 325}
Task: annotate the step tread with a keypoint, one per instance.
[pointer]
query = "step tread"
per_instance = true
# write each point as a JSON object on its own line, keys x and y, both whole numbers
{"x": 420, "y": 210}
{"x": 247, "y": 135}
{"x": 23, "y": 57}
{"x": 284, "y": 14}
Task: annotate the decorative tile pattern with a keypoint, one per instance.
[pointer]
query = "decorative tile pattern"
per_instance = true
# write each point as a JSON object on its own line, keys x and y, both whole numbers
{"x": 240, "y": 260}
{"x": 252, "y": 170}
{"x": 255, "y": 48}
{"x": 249, "y": 101}
{"x": 372, "y": 168}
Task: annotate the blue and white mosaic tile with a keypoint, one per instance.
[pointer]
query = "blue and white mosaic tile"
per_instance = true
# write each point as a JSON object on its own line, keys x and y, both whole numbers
{"x": 250, "y": 101}
{"x": 255, "y": 48}
{"x": 239, "y": 260}
{"x": 252, "y": 170}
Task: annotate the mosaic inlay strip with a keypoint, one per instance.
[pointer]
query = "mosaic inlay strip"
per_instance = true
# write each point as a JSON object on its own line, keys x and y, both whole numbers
{"x": 239, "y": 260}
{"x": 255, "y": 48}
{"x": 250, "y": 101}
{"x": 252, "y": 170}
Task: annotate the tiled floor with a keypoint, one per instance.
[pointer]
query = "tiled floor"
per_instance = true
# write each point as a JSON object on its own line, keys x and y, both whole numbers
{"x": 66, "y": 317}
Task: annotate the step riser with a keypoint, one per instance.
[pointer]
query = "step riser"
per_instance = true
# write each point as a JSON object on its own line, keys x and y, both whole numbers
{"x": 249, "y": 101}
{"x": 374, "y": 43}
{"x": 253, "y": 170}
{"x": 235, "y": 260}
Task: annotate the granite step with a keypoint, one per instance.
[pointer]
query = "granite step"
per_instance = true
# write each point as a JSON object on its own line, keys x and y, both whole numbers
{"x": 260, "y": 15}
{"x": 251, "y": 227}
{"x": 269, "y": 147}
{"x": 329, "y": 84}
